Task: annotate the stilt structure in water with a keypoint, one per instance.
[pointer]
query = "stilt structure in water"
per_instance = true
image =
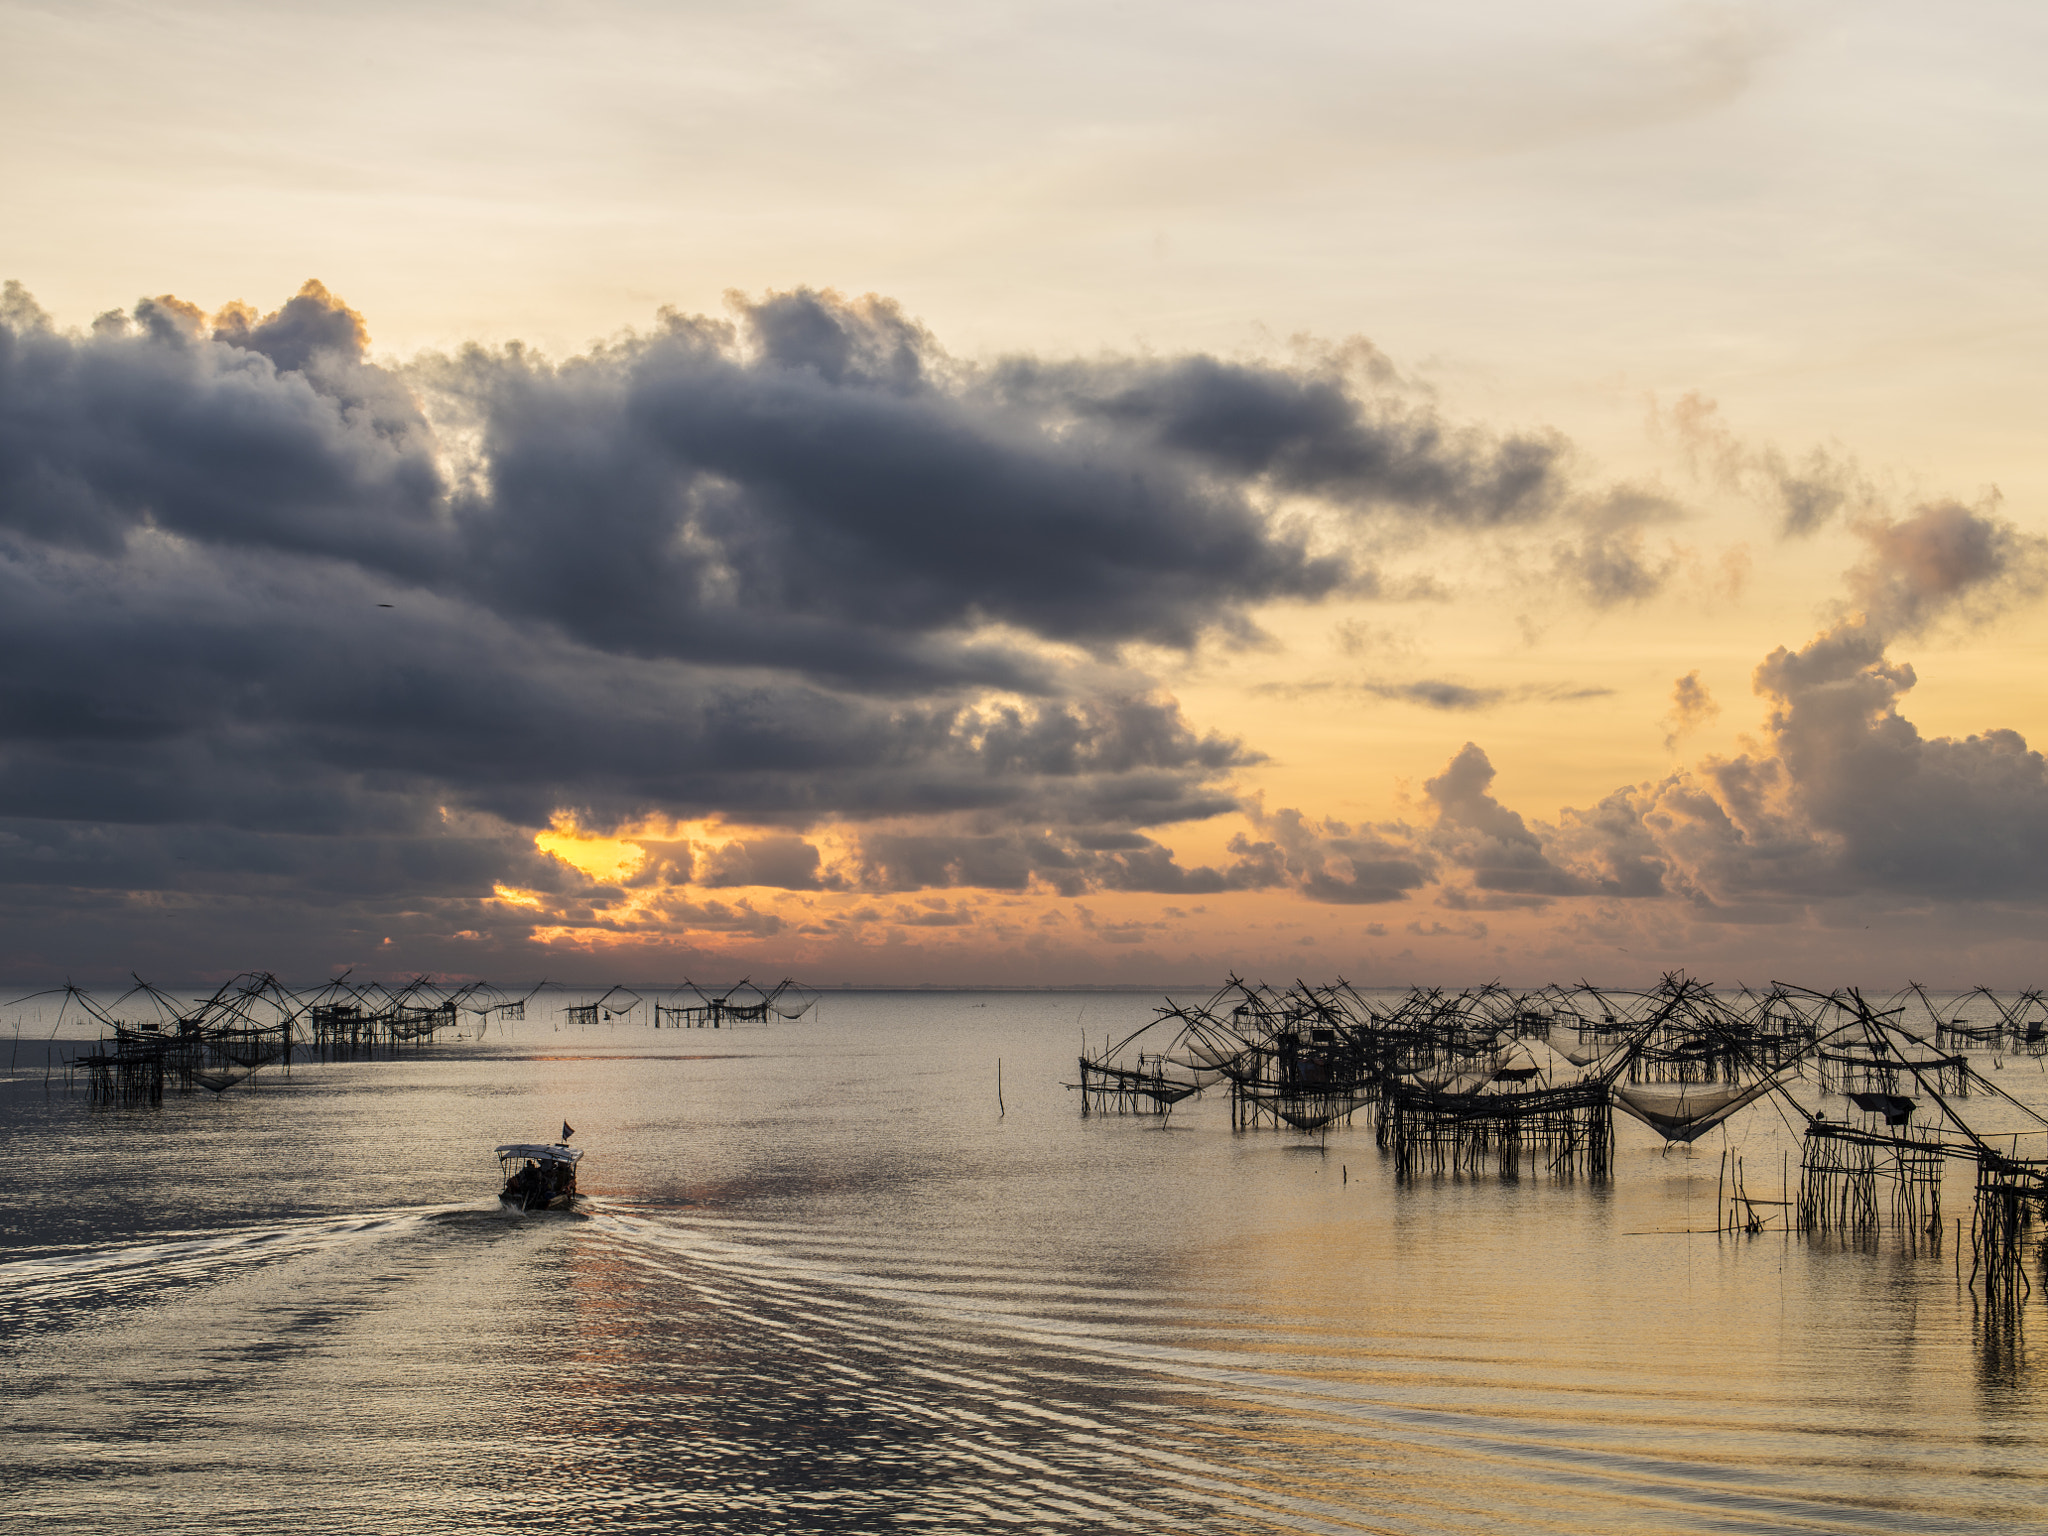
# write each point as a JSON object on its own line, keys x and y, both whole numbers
{"x": 151, "y": 1042}
{"x": 743, "y": 1003}
{"x": 615, "y": 1004}
{"x": 1134, "y": 1083}
{"x": 1878, "y": 1161}
{"x": 1490, "y": 1081}
{"x": 346, "y": 1023}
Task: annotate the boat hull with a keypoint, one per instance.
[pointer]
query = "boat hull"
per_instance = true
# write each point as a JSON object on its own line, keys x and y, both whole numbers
{"x": 520, "y": 1207}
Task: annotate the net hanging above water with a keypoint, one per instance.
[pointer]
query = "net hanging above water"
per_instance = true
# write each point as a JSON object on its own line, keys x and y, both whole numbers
{"x": 1686, "y": 1111}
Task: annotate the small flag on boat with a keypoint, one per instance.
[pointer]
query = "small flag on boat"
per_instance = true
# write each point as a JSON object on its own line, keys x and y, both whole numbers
{"x": 568, "y": 1130}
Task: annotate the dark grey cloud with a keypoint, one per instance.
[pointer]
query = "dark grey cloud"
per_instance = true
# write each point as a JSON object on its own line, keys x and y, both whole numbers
{"x": 1476, "y": 833}
{"x": 816, "y": 488}
{"x": 1945, "y": 561}
{"x": 1068, "y": 862}
{"x": 933, "y": 917}
{"x": 141, "y": 430}
{"x": 191, "y": 861}
{"x": 279, "y": 616}
{"x": 787, "y": 862}
{"x": 1443, "y": 694}
{"x": 1479, "y": 854}
{"x": 308, "y": 330}
{"x": 1805, "y": 492}
{"x": 1692, "y": 705}
{"x": 1895, "y": 810}
{"x": 1844, "y": 797}
{"x": 238, "y": 693}
{"x": 813, "y": 490}
{"x": 1609, "y": 566}
{"x": 1439, "y": 693}
{"x": 1314, "y": 432}
{"x": 1843, "y": 800}
{"x": 1331, "y": 861}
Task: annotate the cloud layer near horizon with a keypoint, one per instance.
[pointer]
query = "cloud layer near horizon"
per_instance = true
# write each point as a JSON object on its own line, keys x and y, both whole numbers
{"x": 306, "y": 644}
{"x": 285, "y": 619}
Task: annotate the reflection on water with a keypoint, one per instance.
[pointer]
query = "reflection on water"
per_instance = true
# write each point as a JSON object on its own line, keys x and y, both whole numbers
{"x": 821, "y": 1285}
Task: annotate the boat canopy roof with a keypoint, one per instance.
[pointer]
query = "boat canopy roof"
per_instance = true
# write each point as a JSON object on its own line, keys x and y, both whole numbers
{"x": 540, "y": 1152}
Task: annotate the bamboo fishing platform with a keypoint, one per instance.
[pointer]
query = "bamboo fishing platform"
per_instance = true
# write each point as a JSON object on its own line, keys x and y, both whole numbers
{"x": 1883, "y": 1096}
{"x": 152, "y": 1043}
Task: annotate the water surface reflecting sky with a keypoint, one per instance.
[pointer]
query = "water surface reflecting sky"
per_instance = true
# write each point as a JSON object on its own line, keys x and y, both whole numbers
{"x": 822, "y": 1285}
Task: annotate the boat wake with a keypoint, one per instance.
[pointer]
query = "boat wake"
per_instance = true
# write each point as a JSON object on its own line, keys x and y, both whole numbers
{"x": 690, "y": 1367}
{"x": 1066, "y": 1405}
{"x": 37, "y": 1292}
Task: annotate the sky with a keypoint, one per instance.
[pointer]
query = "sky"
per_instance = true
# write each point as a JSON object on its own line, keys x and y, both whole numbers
{"x": 1043, "y": 495}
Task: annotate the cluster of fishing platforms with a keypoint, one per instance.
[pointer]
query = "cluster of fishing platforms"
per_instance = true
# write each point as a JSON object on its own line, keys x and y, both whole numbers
{"x": 152, "y": 1042}
{"x": 690, "y": 1006}
{"x": 1496, "y": 1081}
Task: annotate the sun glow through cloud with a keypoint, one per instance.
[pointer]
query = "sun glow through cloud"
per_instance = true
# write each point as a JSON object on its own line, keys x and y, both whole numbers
{"x": 596, "y": 858}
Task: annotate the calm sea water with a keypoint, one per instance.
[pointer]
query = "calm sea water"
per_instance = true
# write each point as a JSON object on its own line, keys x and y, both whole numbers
{"x": 822, "y": 1284}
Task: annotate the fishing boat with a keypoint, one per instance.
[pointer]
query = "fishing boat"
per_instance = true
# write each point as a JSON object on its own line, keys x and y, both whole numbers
{"x": 538, "y": 1176}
